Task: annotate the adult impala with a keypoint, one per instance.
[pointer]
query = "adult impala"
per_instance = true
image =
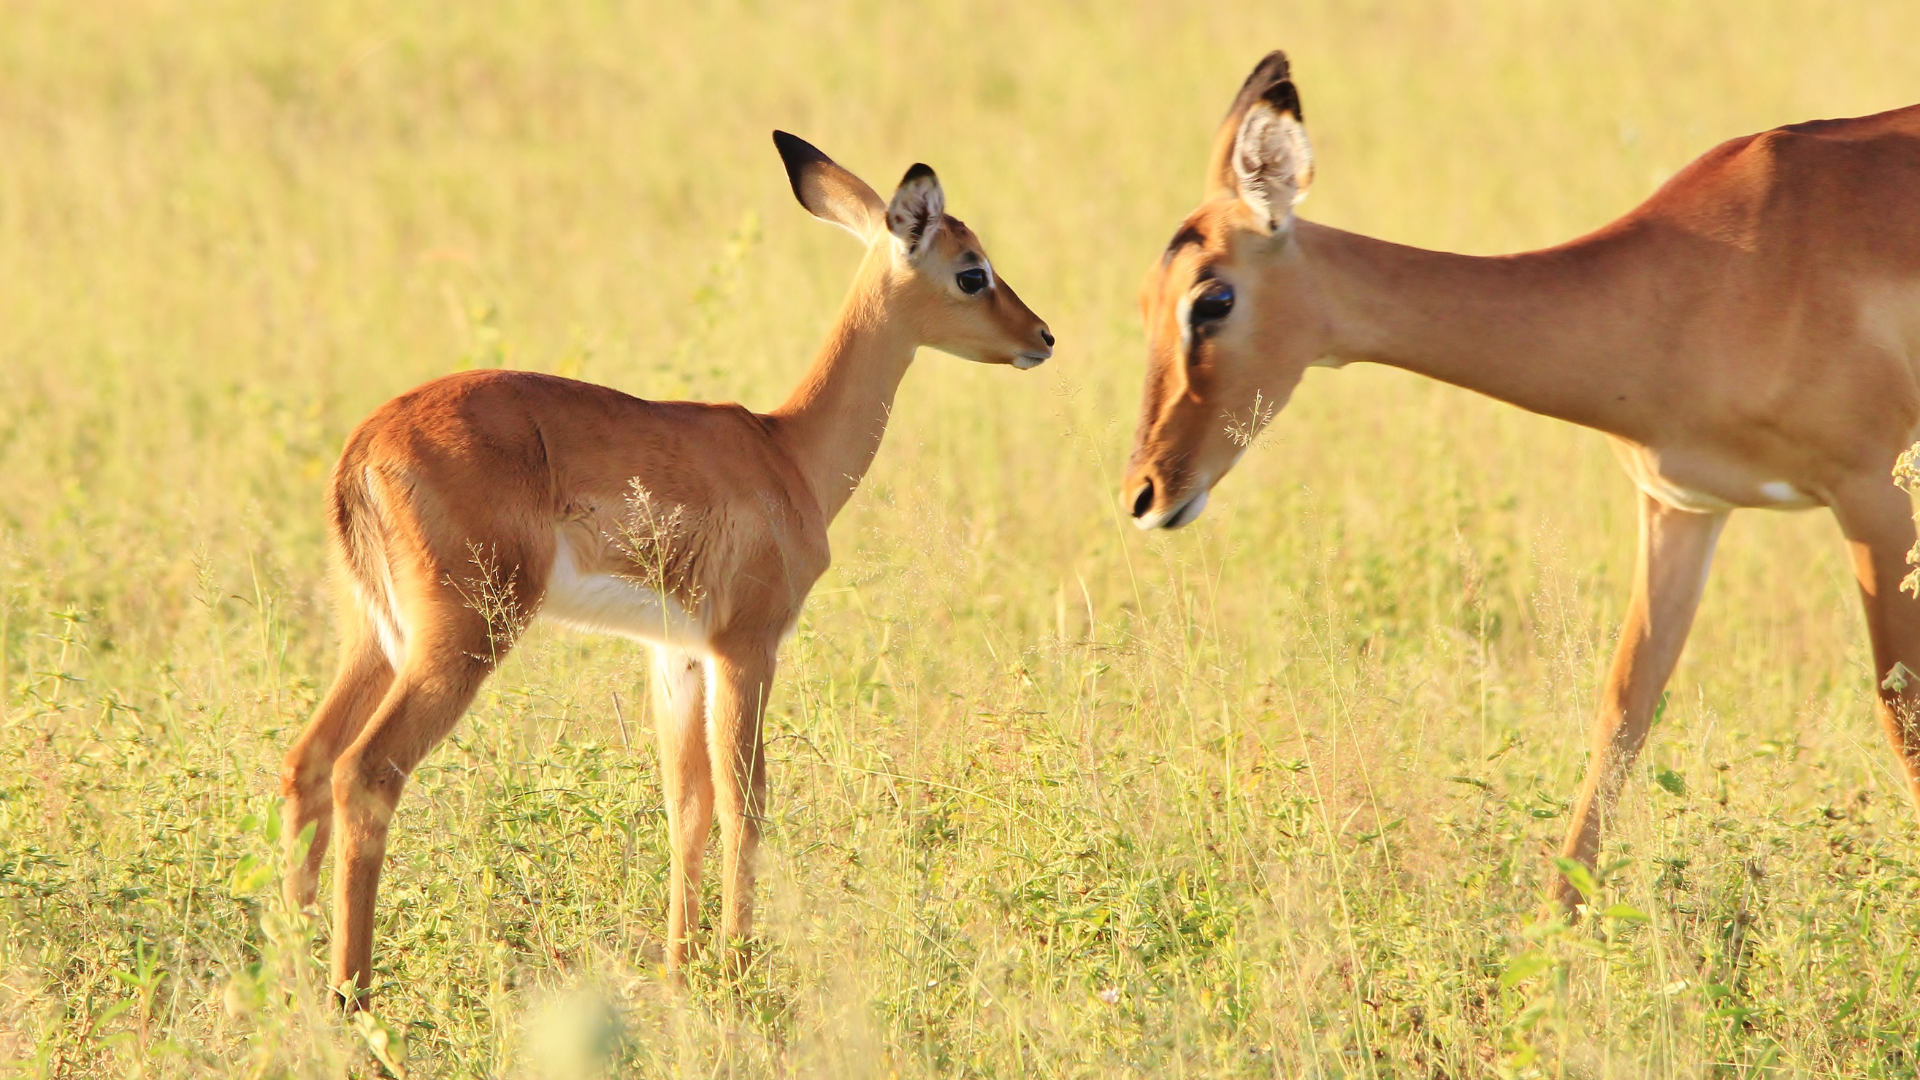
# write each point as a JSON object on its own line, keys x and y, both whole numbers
{"x": 462, "y": 509}
{"x": 1747, "y": 337}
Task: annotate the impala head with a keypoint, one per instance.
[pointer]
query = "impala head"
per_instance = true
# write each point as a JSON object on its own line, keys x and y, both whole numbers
{"x": 936, "y": 269}
{"x": 1231, "y": 314}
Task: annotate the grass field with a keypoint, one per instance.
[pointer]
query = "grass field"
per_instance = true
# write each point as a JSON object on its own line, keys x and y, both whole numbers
{"x": 1266, "y": 797}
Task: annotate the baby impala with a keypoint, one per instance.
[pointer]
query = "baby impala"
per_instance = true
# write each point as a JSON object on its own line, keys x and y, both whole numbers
{"x": 465, "y": 508}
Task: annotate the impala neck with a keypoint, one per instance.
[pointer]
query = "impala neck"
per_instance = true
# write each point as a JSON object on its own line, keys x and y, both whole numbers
{"x": 1569, "y": 332}
{"x": 833, "y": 421}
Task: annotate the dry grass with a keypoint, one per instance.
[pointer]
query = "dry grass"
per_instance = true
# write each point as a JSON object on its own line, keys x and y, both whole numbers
{"x": 1266, "y": 797}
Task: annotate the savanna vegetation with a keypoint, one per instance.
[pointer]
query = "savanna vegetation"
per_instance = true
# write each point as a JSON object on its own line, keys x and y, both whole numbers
{"x": 1270, "y": 796}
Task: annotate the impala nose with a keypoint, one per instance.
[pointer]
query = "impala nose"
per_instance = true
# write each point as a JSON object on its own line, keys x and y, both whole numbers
{"x": 1143, "y": 501}
{"x": 1035, "y": 358}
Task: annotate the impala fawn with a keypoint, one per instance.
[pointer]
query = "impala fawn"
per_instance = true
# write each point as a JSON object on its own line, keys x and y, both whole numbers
{"x": 461, "y": 510}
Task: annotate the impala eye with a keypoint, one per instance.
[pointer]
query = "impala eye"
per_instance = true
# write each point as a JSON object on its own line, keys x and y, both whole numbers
{"x": 1212, "y": 305}
{"x": 971, "y": 281}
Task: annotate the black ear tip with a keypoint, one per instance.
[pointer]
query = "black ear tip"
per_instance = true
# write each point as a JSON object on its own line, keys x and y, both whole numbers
{"x": 1270, "y": 73}
{"x": 918, "y": 171}
{"x": 1284, "y": 97}
{"x": 1272, "y": 68}
{"x": 795, "y": 150}
{"x": 796, "y": 154}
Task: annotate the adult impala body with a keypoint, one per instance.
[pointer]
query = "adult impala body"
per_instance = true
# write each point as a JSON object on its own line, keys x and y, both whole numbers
{"x": 1747, "y": 337}
{"x": 465, "y": 508}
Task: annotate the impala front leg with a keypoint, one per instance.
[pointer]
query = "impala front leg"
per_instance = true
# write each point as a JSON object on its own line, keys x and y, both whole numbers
{"x": 742, "y": 677}
{"x": 1877, "y": 519}
{"x": 1676, "y": 547}
{"x": 686, "y": 781}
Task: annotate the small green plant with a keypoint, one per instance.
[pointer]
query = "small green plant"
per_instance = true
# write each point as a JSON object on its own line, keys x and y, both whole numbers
{"x": 1906, "y": 473}
{"x": 490, "y": 592}
{"x": 657, "y": 541}
{"x": 1243, "y": 432}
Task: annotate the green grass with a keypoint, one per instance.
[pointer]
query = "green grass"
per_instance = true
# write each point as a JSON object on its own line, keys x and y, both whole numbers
{"x": 1268, "y": 797}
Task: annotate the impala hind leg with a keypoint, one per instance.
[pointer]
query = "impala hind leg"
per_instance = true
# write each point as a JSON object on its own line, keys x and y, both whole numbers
{"x": 1676, "y": 547}
{"x": 459, "y": 619}
{"x": 742, "y": 678}
{"x": 428, "y": 696}
{"x": 306, "y": 777}
{"x": 686, "y": 782}
{"x": 1877, "y": 520}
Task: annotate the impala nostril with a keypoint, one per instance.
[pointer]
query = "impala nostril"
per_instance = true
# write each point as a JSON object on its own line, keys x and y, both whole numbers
{"x": 1143, "y": 502}
{"x": 1046, "y": 336}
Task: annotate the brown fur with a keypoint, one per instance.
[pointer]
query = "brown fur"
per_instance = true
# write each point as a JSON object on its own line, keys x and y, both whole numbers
{"x": 1747, "y": 337}
{"x": 456, "y": 506}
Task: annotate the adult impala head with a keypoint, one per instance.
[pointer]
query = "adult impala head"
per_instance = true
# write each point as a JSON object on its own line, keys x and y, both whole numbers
{"x": 927, "y": 261}
{"x": 1232, "y": 316}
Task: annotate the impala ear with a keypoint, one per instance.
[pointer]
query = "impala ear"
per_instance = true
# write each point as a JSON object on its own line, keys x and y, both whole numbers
{"x": 1272, "y": 161}
{"x": 917, "y": 209}
{"x": 1271, "y": 69}
{"x": 828, "y": 191}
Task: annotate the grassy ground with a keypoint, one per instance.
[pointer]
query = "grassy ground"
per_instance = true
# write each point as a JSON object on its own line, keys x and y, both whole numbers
{"x": 1267, "y": 797}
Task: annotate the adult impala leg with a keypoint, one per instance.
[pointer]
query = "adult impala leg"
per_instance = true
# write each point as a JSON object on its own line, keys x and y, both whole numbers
{"x": 742, "y": 677}
{"x": 1877, "y": 520}
{"x": 1676, "y": 547}
{"x": 306, "y": 777}
{"x": 686, "y": 780}
{"x": 433, "y": 688}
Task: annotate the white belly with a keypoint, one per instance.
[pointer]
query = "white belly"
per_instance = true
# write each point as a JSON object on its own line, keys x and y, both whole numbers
{"x": 610, "y": 604}
{"x": 1704, "y": 485}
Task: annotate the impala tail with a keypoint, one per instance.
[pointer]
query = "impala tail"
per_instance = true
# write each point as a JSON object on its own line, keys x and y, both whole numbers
{"x": 357, "y": 527}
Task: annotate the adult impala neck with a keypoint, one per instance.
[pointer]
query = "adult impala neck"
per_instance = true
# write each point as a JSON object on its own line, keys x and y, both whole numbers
{"x": 1570, "y": 332}
{"x": 833, "y": 421}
